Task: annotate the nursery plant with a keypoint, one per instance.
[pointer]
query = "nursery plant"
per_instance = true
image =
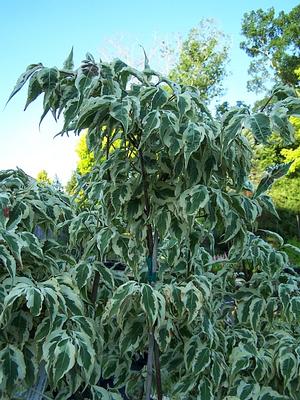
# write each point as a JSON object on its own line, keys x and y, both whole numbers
{"x": 154, "y": 281}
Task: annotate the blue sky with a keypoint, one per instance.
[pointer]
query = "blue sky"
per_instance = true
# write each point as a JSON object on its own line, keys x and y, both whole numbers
{"x": 44, "y": 31}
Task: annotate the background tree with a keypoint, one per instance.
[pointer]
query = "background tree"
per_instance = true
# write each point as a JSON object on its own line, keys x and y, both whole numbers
{"x": 84, "y": 164}
{"x": 285, "y": 193}
{"x": 202, "y": 59}
{"x": 293, "y": 154}
{"x": 199, "y": 59}
{"x": 273, "y": 43}
{"x": 43, "y": 177}
{"x": 85, "y": 157}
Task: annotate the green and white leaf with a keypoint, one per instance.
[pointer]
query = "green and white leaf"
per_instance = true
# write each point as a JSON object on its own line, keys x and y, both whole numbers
{"x": 260, "y": 126}
{"x": 150, "y": 123}
{"x": 192, "y": 299}
{"x": 192, "y": 138}
{"x": 13, "y": 367}
{"x": 149, "y": 303}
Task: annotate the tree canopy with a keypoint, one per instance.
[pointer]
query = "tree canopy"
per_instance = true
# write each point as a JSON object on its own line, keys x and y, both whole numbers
{"x": 202, "y": 60}
{"x": 273, "y": 43}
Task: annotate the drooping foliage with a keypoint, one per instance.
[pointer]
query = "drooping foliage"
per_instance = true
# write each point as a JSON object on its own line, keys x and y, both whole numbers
{"x": 140, "y": 275}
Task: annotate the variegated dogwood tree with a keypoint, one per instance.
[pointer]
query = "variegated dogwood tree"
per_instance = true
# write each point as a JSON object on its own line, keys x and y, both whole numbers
{"x": 124, "y": 293}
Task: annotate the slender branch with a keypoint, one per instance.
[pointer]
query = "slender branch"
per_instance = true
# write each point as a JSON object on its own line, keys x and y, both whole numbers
{"x": 154, "y": 255}
{"x": 188, "y": 263}
{"x": 133, "y": 152}
{"x": 95, "y": 287}
{"x": 156, "y": 348}
{"x": 107, "y": 155}
{"x": 134, "y": 167}
{"x": 97, "y": 274}
{"x": 132, "y": 140}
{"x": 149, "y": 365}
{"x": 147, "y": 203}
{"x": 157, "y": 371}
{"x": 150, "y": 251}
{"x": 153, "y": 350}
{"x": 265, "y": 105}
{"x": 142, "y": 393}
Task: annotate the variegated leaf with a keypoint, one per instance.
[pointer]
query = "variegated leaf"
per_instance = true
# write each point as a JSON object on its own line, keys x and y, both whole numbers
{"x": 13, "y": 367}
{"x": 150, "y": 124}
{"x": 248, "y": 391}
{"x": 149, "y": 303}
{"x": 106, "y": 275}
{"x": 192, "y": 138}
{"x": 256, "y": 309}
{"x": 85, "y": 353}
{"x": 63, "y": 358}
{"x": 83, "y": 273}
{"x": 8, "y": 261}
{"x": 205, "y": 390}
{"x": 192, "y": 300}
{"x": 288, "y": 366}
{"x": 103, "y": 240}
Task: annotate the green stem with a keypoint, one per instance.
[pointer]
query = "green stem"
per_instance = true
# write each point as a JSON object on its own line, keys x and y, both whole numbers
{"x": 150, "y": 364}
{"x": 152, "y": 243}
{"x": 95, "y": 287}
{"x": 265, "y": 105}
{"x": 147, "y": 203}
{"x": 153, "y": 351}
{"x": 157, "y": 371}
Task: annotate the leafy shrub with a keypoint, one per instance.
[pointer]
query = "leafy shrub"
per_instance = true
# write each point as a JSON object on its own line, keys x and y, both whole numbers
{"x": 135, "y": 274}
{"x": 44, "y": 307}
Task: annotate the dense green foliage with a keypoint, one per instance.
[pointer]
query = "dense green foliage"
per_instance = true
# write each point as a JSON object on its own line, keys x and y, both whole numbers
{"x": 273, "y": 42}
{"x": 285, "y": 192}
{"x": 139, "y": 272}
